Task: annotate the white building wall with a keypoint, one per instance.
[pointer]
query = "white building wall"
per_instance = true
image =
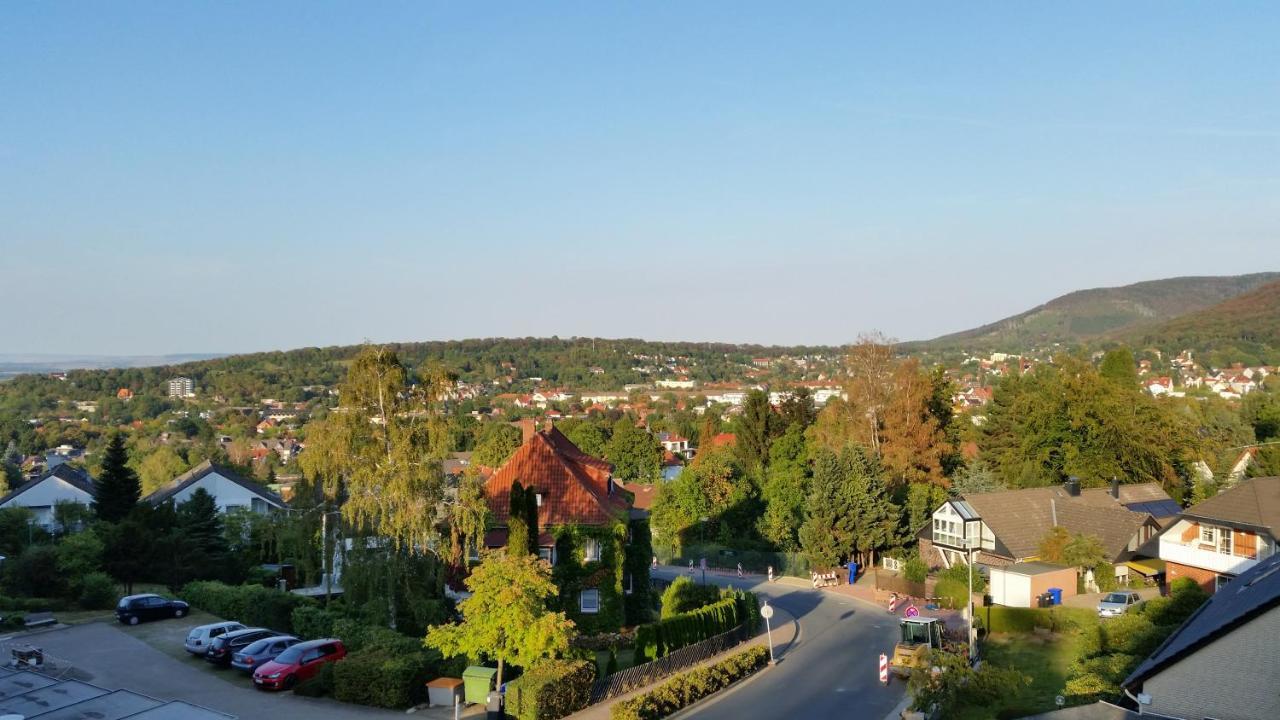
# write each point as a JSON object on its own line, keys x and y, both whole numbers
{"x": 41, "y": 499}
{"x": 227, "y": 494}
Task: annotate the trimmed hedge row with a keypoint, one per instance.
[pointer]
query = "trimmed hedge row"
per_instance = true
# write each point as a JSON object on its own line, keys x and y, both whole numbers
{"x": 252, "y": 605}
{"x": 384, "y": 677}
{"x": 998, "y": 619}
{"x": 664, "y": 637}
{"x": 551, "y": 690}
{"x": 690, "y": 687}
{"x": 683, "y": 596}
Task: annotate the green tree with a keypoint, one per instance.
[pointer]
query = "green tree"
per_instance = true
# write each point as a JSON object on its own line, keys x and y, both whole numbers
{"x": 1119, "y": 367}
{"x": 798, "y": 409}
{"x": 848, "y": 512}
{"x": 495, "y": 445}
{"x": 784, "y": 489}
{"x": 117, "y": 488}
{"x": 975, "y": 477}
{"x": 635, "y": 454}
{"x": 589, "y": 436}
{"x": 159, "y": 467}
{"x": 78, "y": 555}
{"x": 518, "y": 531}
{"x": 202, "y": 545}
{"x": 126, "y": 557}
{"x": 506, "y": 618}
{"x": 755, "y": 430}
{"x": 468, "y": 515}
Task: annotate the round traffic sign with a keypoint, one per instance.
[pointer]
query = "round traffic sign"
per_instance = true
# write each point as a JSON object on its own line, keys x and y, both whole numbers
{"x": 766, "y": 611}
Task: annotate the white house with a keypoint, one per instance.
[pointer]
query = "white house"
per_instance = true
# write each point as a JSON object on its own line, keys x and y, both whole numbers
{"x": 229, "y": 490}
{"x": 60, "y": 484}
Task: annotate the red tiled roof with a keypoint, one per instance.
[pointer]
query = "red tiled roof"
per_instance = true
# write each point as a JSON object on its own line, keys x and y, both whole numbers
{"x": 724, "y": 439}
{"x": 574, "y": 486}
{"x": 644, "y": 494}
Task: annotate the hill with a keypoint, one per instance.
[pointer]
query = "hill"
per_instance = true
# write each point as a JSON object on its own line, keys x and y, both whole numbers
{"x": 1100, "y": 312}
{"x": 1244, "y": 329}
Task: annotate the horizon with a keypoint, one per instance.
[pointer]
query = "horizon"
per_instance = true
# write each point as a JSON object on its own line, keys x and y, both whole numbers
{"x": 240, "y": 178}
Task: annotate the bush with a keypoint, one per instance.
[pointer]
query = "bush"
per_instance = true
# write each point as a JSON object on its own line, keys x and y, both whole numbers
{"x": 384, "y": 678}
{"x": 249, "y": 604}
{"x": 97, "y": 591}
{"x": 319, "y": 684}
{"x": 690, "y": 687}
{"x": 35, "y": 573}
{"x": 358, "y": 636}
{"x": 915, "y": 570}
{"x": 13, "y": 621}
{"x": 683, "y": 595}
{"x": 952, "y": 593}
{"x": 551, "y": 689}
{"x": 311, "y": 622}
{"x": 960, "y": 574}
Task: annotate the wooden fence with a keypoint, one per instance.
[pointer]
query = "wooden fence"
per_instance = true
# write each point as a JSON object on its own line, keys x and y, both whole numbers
{"x": 625, "y": 681}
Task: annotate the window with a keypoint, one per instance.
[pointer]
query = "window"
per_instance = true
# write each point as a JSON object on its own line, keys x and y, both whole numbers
{"x": 1224, "y": 542}
{"x": 1208, "y": 535}
{"x": 591, "y": 550}
{"x": 548, "y": 554}
{"x": 589, "y": 601}
{"x": 1220, "y": 581}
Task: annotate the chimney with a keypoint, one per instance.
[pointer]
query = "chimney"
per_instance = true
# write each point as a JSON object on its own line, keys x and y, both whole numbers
{"x": 528, "y": 426}
{"x": 1115, "y": 488}
{"x": 1073, "y": 486}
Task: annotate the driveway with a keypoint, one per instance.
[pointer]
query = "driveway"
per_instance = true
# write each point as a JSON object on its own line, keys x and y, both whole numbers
{"x": 117, "y": 657}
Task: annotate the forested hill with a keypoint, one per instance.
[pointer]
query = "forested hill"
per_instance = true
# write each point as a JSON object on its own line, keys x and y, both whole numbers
{"x": 583, "y": 363}
{"x": 1091, "y": 314}
{"x": 1243, "y": 329}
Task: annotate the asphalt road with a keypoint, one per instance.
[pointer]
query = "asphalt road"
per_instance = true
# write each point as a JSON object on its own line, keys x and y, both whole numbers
{"x": 829, "y": 671}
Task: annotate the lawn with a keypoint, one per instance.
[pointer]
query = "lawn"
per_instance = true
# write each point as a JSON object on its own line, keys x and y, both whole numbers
{"x": 1043, "y": 658}
{"x": 625, "y": 657}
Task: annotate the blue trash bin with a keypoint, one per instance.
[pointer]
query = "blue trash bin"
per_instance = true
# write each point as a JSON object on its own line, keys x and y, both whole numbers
{"x": 853, "y": 572}
{"x": 1056, "y": 594}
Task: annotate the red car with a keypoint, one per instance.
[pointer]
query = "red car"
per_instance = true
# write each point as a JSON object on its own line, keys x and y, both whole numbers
{"x": 298, "y": 663}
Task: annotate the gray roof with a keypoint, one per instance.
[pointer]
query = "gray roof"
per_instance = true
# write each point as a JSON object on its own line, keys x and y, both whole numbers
{"x": 77, "y": 478}
{"x": 1255, "y": 503}
{"x": 39, "y": 697}
{"x": 1096, "y": 711}
{"x": 1254, "y": 592}
{"x": 197, "y": 473}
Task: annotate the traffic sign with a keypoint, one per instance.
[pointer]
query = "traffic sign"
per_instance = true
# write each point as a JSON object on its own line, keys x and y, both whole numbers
{"x": 766, "y": 611}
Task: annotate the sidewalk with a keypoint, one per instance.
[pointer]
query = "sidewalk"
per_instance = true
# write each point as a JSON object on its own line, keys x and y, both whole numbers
{"x": 785, "y": 628}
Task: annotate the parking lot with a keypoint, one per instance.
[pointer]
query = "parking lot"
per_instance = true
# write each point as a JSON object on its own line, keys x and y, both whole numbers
{"x": 149, "y": 659}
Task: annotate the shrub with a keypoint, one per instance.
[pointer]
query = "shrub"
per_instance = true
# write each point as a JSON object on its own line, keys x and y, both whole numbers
{"x": 551, "y": 689}
{"x": 611, "y": 666}
{"x": 915, "y": 570}
{"x": 999, "y": 619}
{"x": 35, "y": 573}
{"x": 683, "y": 595}
{"x": 319, "y": 684}
{"x": 690, "y": 687}
{"x": 358, "y": 636}
{"x": 97, "y": 591}
{"x": 311, "y": 622}
{"x": 13, "y": 621}
{"x": 960, "y": 574}
{"x": 384, "y": 678}
{"x": 249, "y": 604}
{"x": 952, "y": 593}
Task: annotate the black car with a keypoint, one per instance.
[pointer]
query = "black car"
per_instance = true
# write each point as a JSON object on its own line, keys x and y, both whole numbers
{"x": 224, "y": 647}
{"x": 133, "y": 609}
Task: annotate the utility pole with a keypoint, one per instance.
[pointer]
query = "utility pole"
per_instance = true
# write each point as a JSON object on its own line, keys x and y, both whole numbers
{"x": 325, "y": 558}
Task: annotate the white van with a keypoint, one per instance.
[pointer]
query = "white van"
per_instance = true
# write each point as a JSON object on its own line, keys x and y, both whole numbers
{"x": 200, "y": 636}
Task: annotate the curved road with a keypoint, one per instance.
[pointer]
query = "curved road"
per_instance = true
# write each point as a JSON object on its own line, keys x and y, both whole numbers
{"x": 829, "y": 671}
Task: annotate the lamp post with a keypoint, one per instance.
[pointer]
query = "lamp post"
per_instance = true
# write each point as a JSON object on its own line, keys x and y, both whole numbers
{"x": 969, "y": 542}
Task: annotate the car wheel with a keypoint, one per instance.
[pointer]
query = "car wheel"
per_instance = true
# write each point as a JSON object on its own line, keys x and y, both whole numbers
{"x": 179, "y": 613}
{"x": 133, "y": 620}
{"x": 289, "y": 682}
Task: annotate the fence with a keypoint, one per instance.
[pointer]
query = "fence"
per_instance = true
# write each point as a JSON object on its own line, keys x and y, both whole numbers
{"x": 720, "y": 556}
{"x": 625, "y": 681}
{"x": 886, "y": 580}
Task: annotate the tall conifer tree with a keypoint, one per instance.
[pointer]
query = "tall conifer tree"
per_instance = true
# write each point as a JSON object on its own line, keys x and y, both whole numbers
{"x": 117, "y": 488}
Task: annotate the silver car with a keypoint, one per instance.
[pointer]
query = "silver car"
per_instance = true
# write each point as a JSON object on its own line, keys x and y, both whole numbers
{"x": 260, "y": 652}
{"x": 199, "y": 637}
{"x": 1117, "y": 603}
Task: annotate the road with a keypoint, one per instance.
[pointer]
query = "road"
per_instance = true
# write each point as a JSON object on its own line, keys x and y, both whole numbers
{"x": 829, "y": 671}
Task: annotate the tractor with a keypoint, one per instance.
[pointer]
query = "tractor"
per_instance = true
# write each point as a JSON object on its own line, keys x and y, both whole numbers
{"x": 919, "y": 636}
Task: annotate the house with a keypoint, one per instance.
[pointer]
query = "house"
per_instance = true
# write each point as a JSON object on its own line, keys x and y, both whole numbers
{"x": 1007, "y": 527}
{"x": 1221, "y": 662}
{"x": 1222, "y": 537}
{"x": 672, "y": 466}
{"x": 59, "y": 484}
{"x": 124, "y": 394}
{"x": 674, "y": 443}
{"x": 182, "y": 387}
{"x": 583, "y": 516}
{"x": 229, "y": 490}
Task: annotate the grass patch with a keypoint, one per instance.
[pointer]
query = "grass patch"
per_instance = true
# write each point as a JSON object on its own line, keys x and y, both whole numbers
{"x": 1043, "y": 658}
{"x": 626, "y": 658}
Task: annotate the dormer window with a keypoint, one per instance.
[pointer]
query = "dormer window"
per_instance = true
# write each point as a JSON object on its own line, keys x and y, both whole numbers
{"x": 538, "y": 499}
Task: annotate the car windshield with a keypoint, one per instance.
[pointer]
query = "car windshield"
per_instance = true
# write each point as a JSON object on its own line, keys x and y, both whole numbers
{"x": 1115, "y": 598}
{"x": 292, "y": 655}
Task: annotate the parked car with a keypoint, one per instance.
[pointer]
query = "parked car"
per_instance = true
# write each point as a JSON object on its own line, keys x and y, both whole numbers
{"x": 255, "y": 654}
{"x": 227, "y": 645}
{"x": 1117, "y": 603}
{"x": 133, "y": 609}
{"x": 199, "y": 637}
{"x": 298, "y": 663}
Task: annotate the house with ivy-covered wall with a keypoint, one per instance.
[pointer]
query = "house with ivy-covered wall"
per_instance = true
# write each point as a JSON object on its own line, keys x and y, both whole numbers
{"x": 599, "y": 554}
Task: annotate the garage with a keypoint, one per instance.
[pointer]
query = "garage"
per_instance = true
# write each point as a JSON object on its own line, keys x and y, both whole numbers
{"x": 1019, "y": 585}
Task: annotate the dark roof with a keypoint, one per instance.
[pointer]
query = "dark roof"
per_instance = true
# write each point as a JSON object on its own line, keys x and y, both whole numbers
{"x": 1254, "y": 502}
{"x": 1254, "y": 592}
{"x": 1034, "y": 568}
{"x": 1021, "y": 518}
{"x": 1096, "y": 711}
{"x": 197, "y": 473}
{"x": 77, "y": 478}
{"x": 576, "y": 489}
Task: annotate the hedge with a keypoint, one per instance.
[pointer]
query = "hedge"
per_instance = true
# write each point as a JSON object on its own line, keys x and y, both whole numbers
{"x": 690, "y": 687}
{"x": 252, "y": 605}
{"x": 312, "y": 622}
{"x": 683, "y": 596}
{"x": 670, "y": 634}
{"x": 998, "y": 619}
{"x": 551, "y": 690}
{"x": 382, "y": 677}
{"x": 317, "y": 685}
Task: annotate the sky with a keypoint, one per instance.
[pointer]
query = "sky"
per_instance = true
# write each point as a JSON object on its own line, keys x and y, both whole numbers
{"x": 231, "y": 177}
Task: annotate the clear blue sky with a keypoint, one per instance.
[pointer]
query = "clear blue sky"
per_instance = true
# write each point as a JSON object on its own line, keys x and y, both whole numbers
{"x": 183, "y": 177}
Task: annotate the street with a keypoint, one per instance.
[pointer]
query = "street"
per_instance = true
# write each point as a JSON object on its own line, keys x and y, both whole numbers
{"x": 829, "y": 671}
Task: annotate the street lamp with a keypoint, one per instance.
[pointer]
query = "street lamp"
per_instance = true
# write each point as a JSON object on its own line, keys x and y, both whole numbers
{"x": 970, "y": 543}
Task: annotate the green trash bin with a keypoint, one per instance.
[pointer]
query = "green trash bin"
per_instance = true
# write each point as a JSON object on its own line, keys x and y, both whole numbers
{"x": 477, "y": 682}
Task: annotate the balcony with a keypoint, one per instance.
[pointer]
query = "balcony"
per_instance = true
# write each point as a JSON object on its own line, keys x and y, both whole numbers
{"x": 1204, "y": 556}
